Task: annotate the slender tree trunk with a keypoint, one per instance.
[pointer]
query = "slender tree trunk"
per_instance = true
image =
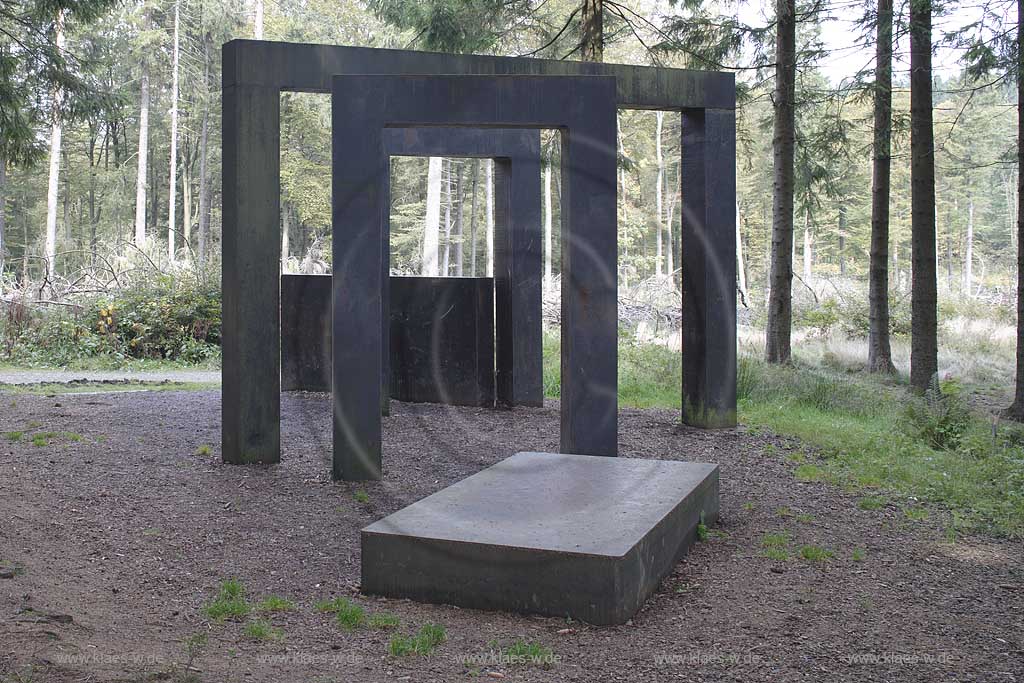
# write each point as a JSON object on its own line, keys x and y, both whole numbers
{"x": 807, "y": 252}
{"x": 460, "y": 216}
{"x": 3, "y": 212}
{"x": 548, "y": 276}
{"x": 186, "y": 204}
{"x": 447, "y": 261}
{"x": 741, "y": 274}
{"x": 472, "y": 219}
{"x": 780, "y": 304}
{"x": 173, "y": 172}
{"x": 659, "y": 190}
{"x": 56, "y": 130}
{"x": 924, "y": 323}
{"x": 432, "y": 221}
{"x": 143, "y": 155}
{"x": 969, "y": 252}
{"x": 1016, "y": 410}
{"x": 592, "y": 31}
{"x": 490, "y": 217}
{"x": 670, "y": 267}
{"x": 842, "y": 241}
{"x": 204, "y": 171}
{"x": 624, "y": 201}
{"x": 257, "y": 30}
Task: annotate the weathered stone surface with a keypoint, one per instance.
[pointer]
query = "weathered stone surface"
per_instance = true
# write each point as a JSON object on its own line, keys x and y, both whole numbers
{"x": 562, "y": 535}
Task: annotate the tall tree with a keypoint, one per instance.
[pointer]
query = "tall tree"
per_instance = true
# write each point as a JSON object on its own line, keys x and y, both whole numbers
{"x": 659, "y": 190}
{"x": 173, "y": 172}
{"x": 924, "y": 360}
{"x": 780, "y": 300}
{"x": 1016, "y": 409}
{"x": 547, "y": 223}
{"x": 432, "y": 220}
{"x": 56, "y": 131}
{"x": 879, "y": 348}
{"x": 592, "y": 31}
{"x": 143, "y": 155}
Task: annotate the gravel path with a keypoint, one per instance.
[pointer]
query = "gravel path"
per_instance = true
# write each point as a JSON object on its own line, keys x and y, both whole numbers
{"x": 118, "y": 523}
{"x": 66, "y": 376}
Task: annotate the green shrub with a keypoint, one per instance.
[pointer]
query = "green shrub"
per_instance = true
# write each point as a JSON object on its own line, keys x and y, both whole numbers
{"x": 168, "y": 318}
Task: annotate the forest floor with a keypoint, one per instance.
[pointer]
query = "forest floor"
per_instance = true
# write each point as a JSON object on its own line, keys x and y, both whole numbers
{"x": 119, "y": 525}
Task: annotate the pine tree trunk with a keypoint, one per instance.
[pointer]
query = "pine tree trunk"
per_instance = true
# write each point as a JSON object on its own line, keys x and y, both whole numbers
{"x": 432, "y": 222}
{"x": 257, "y": 29}
{"x": 548, "y": 275}
{"x": 670, "y": 267}
{"x": 807, "y": 253}
{"x": 446, "y": 262}
{"x": 472, "y": 219}
{"x": 173, "y": 172}
{"x": 842, "y": 241}
{"x": 969, "y": 252}
{"x": 741, "y": 274}
{"x": 659, "y": 190}
{"x": 140, "y": 178}
{"x": 592, "y": 31}
{"x": 780, "y": 304}
{"x": 490, "y": 217}
{"x": 56, "y": 130}
{"x": 924, "y": 320}
{"x": 460, "y": 216}
{"x": 1016, "y": 410}
{"x": 204, "y": 171}
{"x": 3, "y": 211}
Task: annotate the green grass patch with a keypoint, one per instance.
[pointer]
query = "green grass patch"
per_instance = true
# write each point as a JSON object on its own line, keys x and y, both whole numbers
{"x": 361, "y": 497}
{"x": 274, "y": 603}
{"x": 350, "y": 617}
{"x": 13, "y": 436}
{"x": 423, "y": 643}
{"x": 808, "y": 473}
{"x": 347, "y": 614}
{"x": 859, "y": 554}
{"x": 871, "y": 503}
{"x": 205, "y": 449}
{"x": 262, "y": 630}
{"x": 775, "y": 540}
{"x": 230, "y": 602}
{"x": 813, "y": 553}
{"x": 383, "y": 621}
{"x": 778, "y": 554}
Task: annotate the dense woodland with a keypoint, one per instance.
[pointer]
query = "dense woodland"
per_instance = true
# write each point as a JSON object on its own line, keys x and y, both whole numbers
{"x": 111, "y": 145}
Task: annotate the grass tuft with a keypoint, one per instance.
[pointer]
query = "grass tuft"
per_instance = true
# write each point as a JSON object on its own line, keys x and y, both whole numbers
{"x": 813, "y": 553}
{"x": 274, "y": 603}
{"x": 230, "y": 602}
{"x": 423, "y": 643}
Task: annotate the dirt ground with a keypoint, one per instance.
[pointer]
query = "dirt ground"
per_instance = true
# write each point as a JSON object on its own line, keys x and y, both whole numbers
{"x": 117, "y": 527}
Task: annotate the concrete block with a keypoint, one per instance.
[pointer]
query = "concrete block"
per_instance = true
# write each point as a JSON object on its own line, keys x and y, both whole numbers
{"x": 555, "y": 534}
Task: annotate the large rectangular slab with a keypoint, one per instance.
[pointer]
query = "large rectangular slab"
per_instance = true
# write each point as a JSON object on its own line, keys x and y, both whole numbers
{"x": 442, "y": 340}
{"x": 441, "y": 333}
{"x": 562, "y": 535}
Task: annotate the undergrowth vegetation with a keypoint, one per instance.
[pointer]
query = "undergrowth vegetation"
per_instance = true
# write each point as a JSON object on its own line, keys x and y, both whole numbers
{"x": 873, "y": 434}
{"x": 166, "y": 318}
